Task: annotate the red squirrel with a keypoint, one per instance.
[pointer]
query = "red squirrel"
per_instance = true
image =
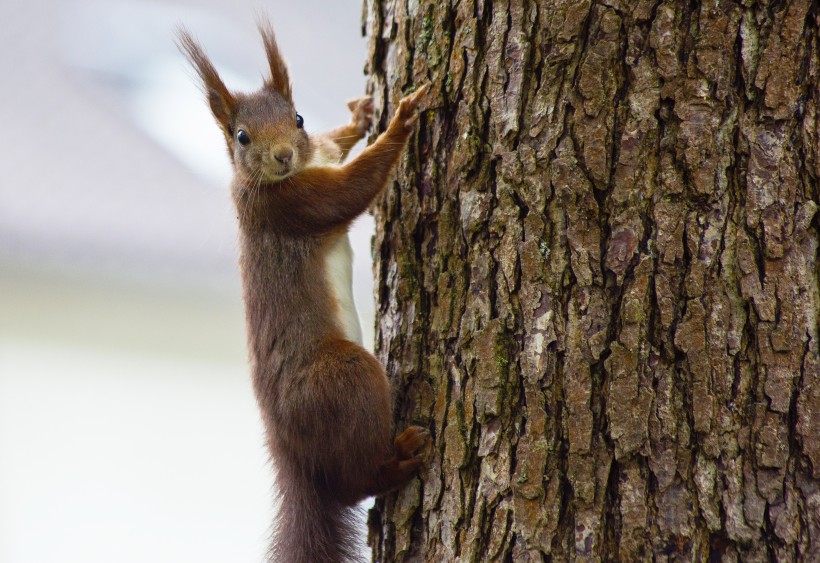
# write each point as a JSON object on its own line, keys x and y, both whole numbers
{"x": 325, "y": 401}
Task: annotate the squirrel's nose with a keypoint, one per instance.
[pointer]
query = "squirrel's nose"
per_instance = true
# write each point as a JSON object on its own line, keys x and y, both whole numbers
{"x": 283, "y": 154}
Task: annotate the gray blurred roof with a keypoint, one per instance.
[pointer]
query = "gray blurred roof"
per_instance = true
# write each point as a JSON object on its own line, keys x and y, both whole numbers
{"x": 108, "y": 158}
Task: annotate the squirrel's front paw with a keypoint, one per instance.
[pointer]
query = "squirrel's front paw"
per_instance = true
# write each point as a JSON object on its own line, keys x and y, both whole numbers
{"x": 407, "y": 114}
{"x": 361, "y": 110}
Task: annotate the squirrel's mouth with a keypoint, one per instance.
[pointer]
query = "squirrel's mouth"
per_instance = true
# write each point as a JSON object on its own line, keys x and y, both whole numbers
{"x": 276, "y": 173}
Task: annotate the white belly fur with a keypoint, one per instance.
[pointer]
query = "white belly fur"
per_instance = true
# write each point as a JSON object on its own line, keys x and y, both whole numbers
{"x": 339, "y": 272}
{"x": 339, "y": 262}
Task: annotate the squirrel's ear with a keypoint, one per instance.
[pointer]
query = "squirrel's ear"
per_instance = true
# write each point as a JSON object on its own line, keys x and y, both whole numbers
{"x": 279, "y": 80}
{"x": 222, "y": 102}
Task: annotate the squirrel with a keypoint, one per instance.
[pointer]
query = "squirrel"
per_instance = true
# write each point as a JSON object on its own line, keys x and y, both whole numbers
{"x": 325, "y": 401}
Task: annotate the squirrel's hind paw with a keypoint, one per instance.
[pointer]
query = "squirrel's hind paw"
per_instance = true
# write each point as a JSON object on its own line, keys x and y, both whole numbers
{"x": 401, "y": 467}
{"x": 410, "y": 441}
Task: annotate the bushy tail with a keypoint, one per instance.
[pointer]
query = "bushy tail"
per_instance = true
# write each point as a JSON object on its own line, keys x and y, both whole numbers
{"x": 313, "y": 529}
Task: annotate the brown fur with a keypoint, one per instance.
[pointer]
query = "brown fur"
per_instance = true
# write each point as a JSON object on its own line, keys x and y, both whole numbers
{"x": 325, "y": 401}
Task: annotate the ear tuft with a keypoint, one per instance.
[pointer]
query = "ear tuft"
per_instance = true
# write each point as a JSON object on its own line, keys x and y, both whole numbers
{"x": 221, "y": 100}
{"x": 279, "y": 80}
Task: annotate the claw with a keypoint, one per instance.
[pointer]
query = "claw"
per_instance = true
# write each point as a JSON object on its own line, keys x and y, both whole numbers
{"x": 410, "y": 103}
{"x": 420, "y": 91}
{"x": 411, "y": 440}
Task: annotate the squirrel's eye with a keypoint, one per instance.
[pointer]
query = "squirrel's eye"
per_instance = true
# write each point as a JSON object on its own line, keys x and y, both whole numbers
{"x": 243, "y": 137}
{"x": 300, "y": 121}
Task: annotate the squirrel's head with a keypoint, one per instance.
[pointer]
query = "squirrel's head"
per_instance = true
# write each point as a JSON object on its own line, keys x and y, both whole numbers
{"x": 265, "y": 136}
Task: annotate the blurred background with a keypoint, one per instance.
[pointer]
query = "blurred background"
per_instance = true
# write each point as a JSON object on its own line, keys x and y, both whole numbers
{"x": 128, "y": 428}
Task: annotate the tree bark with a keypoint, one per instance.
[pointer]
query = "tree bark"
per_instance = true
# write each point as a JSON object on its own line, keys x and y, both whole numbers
{"x": 598, "y": 279}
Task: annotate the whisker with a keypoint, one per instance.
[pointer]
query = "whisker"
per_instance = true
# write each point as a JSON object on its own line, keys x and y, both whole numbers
{"x": 344, "y": 137}
{"x": 251, "y": 194}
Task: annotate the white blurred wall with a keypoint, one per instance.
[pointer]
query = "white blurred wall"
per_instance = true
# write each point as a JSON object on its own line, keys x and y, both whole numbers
{"x": 128, "y": 430}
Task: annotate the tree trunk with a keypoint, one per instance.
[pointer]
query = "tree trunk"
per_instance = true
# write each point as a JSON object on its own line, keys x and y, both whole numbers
{"x": 598, "y": 279}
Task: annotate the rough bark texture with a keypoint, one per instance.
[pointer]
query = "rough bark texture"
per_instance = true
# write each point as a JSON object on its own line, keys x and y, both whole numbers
{"x": 598, "y": 279}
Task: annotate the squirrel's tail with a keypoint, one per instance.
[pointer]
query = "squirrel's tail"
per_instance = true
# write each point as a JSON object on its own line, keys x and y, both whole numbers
{"x": 313, "y": 529}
